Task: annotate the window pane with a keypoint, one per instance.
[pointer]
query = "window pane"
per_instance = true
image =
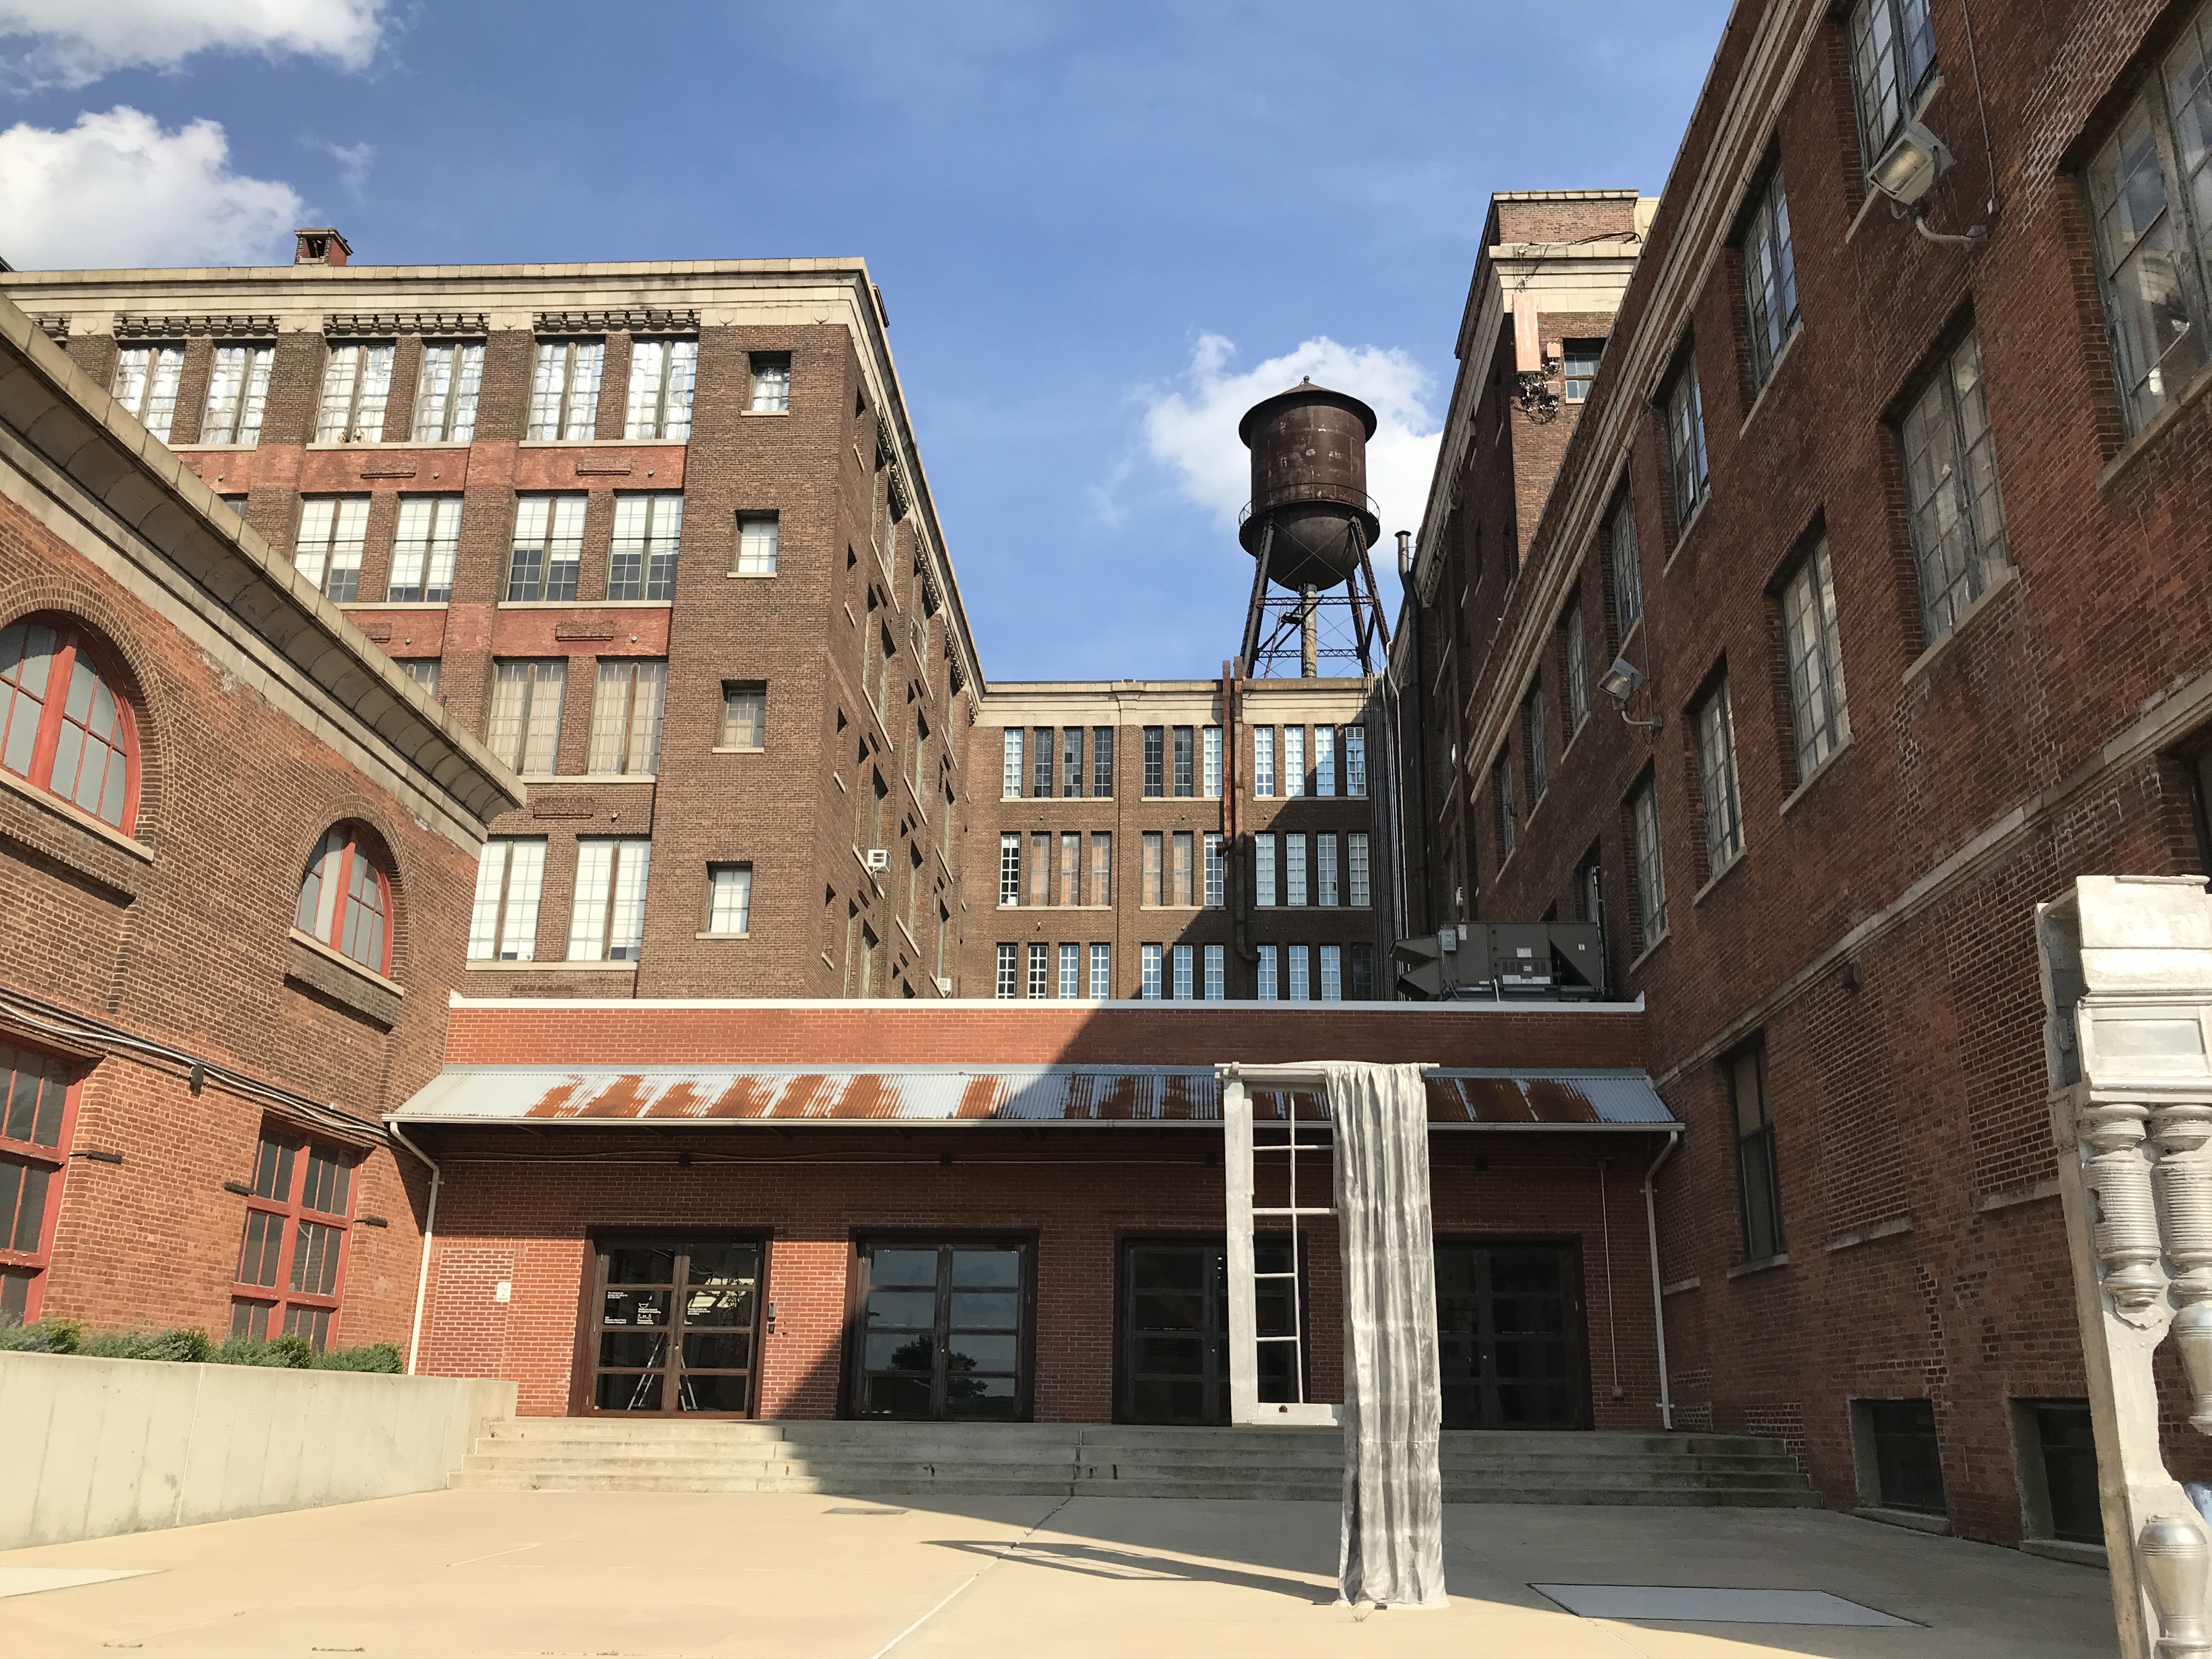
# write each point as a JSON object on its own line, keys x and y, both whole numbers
{"x": 1716, "y": 737}
{"x": 423, "y": 549}
{"x": 730, "y": 906}
{"x": 745, "y": 716}
{"x": 757, "y": 537}
{"x": 2139, "y": 252}
{"x": 1817, "y": 715}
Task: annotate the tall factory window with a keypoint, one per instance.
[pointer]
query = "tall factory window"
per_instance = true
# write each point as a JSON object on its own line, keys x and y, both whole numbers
{"x": 608, "y": 921}
{"x": 1155, "y": 761}
{"x": 1008, "y": 969}
{"x": 1363, "y": 973}
{"x": 1575, "y": 646}
{"x": 1892, "y": 62}
{"x": 1715, "y": 728}
{"x": 1581, "y": 367}
{"x": 1501, "y": 798}
{"x": 1263, "y": 760}
{"x": 729, "y": 899}
{"x": 648, "y": 529}
{"x": 1819, "y": 719}
{"x": 626, "y": 715}
{"x": 1622, "y": 563}
{"x": 1210, "y": 762}
{"x": 1356, "y": 857}
{"x": 564, "y": 389}
{"x": 1332, "y": 973}
{"x": 1325, "y": 761}
{"x": 1267, "y": 985}
{"x": 1071, "y": 762}
{"x": 62, "y": 727}
{"x": 1184, "y": 977}
{"x": 1326, "y": 890}
{"x": 35, "y": 1124}
{"x": 1651, "y": 878}
{"x": 1294, "y": 760}
{"x": 1758, "y": 1181}
{"x": 1532, "y": 739}
{"x": 1040, "y": 867}
{"x": 1184, "y": 783}
{"x": 524, "y": 731}
{"x": 759, "y": 534}
{"x": 744, "y": 715}
{"x": 771, "y": 383}
{"x": 345, "y": 899}
{"x": 1148, "y": 972}
{"x": 1152, "y": 870}
{"x": 1040, "y": 762}
{"x": 356, "y": 384}
{"x": 1294, "y": 871}
{"x": 446, "y": 391}
{"x": 237, "y": 393}
{"x": 1301, "y": 983}
{"x": 333, "y": 530}
{"x": 503, "y": 925}
{"x": 1010, "y": 867}
{"x": 1355, "y": 761}
{"x": 1686, "y": 440}
{"x": 1770, "y": 278}
{"x": 1010, "y": 780}
{"x": 1102, "y": 866}
{"x": 423, "y": 549}
{"x": 1217, "y": 973}
{"x": 1263, "y": 869}
{"x": 291, "y": 1257}
{"x": 1070, "y": 972}
{"x": 549, "y": 548}
{"x": 661, "y": 373}
{"x": 1071, "y": 868}
{"x": 1182, "y": 883}
{"x": 145, "y": 384}
{"x": 1216, "y": 873}
{"x": 1039, "y": 985}
{"x": 423, "y": 670}
{"x": 1959, "y": 542}
{"x": 1101, "y": 972}
{"x": 1102, "y": 762}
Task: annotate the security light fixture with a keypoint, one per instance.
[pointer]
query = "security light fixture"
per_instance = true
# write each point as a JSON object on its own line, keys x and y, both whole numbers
{"x": 1909, "y": 168}
{"x": 1621, "y": 681}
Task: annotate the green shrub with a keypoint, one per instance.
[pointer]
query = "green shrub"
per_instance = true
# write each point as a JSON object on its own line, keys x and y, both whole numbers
{"x": 194, "y": 1347}
{"x": 18, "y": 1338}
{"x": 372, "y": 1357}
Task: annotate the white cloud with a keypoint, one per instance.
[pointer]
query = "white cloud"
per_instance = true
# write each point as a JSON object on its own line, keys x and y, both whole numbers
{"x": 116, "y": 191}
{"x": 1191, "y": 427}
{"x": 77, "y": 41}
{"x": 354, "y": 162}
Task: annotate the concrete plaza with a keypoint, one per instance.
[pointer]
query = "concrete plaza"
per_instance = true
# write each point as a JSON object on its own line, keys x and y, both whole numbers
{"x": 796, "y": 1577}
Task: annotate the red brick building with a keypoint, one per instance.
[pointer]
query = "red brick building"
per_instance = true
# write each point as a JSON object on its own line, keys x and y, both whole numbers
{"x": 236, "y": 847}
{"x": 1902, "y": 527}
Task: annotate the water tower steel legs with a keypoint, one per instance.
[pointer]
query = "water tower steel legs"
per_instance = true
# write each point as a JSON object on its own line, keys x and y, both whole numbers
{"x": 1253, "y": 611}
{"x": 1308, "y": 634}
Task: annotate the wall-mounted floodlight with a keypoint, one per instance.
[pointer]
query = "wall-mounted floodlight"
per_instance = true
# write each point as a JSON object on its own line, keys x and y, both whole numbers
{"x": 1621, "y": 681}
{"x": 1909, "y": 168}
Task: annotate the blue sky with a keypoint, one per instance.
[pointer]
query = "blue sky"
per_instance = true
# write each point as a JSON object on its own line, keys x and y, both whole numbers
{"x": 1101, "y": 230}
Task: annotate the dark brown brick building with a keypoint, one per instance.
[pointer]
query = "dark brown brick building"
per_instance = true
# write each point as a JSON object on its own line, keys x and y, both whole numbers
{"x": 1903, "y": 527}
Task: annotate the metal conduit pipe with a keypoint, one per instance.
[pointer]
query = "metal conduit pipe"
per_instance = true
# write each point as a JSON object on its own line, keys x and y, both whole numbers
{"x": 1658, "y": 1298}
{"x": 429, "y": 1232}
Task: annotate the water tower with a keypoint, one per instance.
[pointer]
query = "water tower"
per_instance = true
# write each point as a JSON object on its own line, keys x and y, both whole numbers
{"x": 1307, "y": 527}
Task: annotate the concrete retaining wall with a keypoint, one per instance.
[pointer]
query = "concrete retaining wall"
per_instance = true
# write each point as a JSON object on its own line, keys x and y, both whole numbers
{"x": 90, "y": 1447}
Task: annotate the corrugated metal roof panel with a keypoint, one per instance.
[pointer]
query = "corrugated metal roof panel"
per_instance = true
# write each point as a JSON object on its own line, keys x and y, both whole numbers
{"x": 1036, "y": 1094}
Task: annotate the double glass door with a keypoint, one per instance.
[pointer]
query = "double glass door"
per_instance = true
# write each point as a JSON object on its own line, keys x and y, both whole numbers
{"x": 677, "y": 1327}
{"x": 1510, "y": 1336}
{"x": 1175, "y": 1327}
{"x": 945, "y": 1330}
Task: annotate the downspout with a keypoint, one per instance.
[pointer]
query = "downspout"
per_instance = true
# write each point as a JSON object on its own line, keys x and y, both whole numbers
{"x": 1406, "y": 561}
{"x": 1658, "y": 1298}
{"x": 430, "y": 1231}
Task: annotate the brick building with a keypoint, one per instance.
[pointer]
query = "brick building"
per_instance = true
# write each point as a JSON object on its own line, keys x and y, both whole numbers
{"x": 236, "y": 847}
{"x": 658, "y": 533}
{"x": 1901, "y": 526}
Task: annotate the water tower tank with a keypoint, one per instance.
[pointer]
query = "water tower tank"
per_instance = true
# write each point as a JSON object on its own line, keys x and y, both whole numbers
{"x": 1309, "y": 482}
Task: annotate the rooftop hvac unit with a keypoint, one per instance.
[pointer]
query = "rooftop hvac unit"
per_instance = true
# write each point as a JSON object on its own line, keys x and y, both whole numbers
{"x": 879, "y": 858}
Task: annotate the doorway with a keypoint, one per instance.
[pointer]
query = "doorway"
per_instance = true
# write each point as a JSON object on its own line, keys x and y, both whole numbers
{"x": 1175, "y": 1327}
{"x": 675, "y": 1327}
{"x": 1510, "y": 1336}
{"x": 945, "y": 1329}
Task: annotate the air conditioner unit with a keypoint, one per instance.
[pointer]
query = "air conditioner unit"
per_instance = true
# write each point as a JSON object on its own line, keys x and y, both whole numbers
{"x": 879, "y": 858}
{"x": 943, "y": 986}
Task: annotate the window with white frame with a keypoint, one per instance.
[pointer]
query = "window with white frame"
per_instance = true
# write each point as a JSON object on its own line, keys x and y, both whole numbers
{"x": 1301, "y": 983}
{"x": 423, "y": 670}
{"x": 238, "y": 394}
{"x": 1332, "y": 973}
{"x": 356, "y": 385}
{"x": 1153, "y": 847}
{"x": 333, "y": 529}
{"x": 1010, "y": 778}
{"x": 2149, "y": 186}
{"x": 1070, "y": 972}
{"x": 1715, "y": 729}
{"x": 1294, "y": 760}
{"x": 1327, "y": 892}
{"x": 1071, "y": 867}
{"x": 1819, "y": 719}
{"x": 564, "y": 390}
{"x": 1355, "y": 761}
{"x": 744, "y": 715}
{"x": 1686, "y": 441}
{"x": 1577, "y": 651}
{"x": 1010, "y": 867}
{"x": 1624, "y": 566}
{"x": 445, "y": 392}
{"x": 1209, "y": 760}
{"x": 1957, "y": 517}
{"x": 1148, "y": 972}
{"x": 1039, "y": 972}
{"x": 1009, "y": 968}
{"x": 1101, "y": 972}
{"x": 1358, "y": 896}
{"x": 1263, "y": 869}
{"x": 759, "y": 534}
{"x": 661, "y": 373}
{"x": 1892, "y": 65}
{"x": 423, "y": 549}
{"x": 1217, "y": 973}
{"x": 1651, "y": 878}
{"x": 608, "y": 922}
{"x": 1181, "y": 886}
{"x": 1263, "y": 760}
{"x": 1325, "y": 761}
{"x": 548, "y": 548}
{"x": 626, "y": 715}
{"x": 1579, "y": 369}
{"x": 1102, "y": 866}
{"x": 771, "y": 383}
{"x": 1770, "y": 278}
{"x": 145, "y": 384}
{"x": 503, "y": 924}
{"x": 1294, "y": 871}
{"x": 1216, "y": 875}
{"x": 1184, "y": 964}
{"x": 648, "y": 529}
{"x": 729, "y": 899}
{"x": 1267, "y": 985}
{"x": 524, "y": 731}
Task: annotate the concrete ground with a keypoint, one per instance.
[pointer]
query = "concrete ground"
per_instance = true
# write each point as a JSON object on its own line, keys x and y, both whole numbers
{"x": 802, "y": 1577}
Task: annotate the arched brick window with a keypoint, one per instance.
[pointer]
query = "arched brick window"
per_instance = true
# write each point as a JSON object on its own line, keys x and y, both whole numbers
{"x": 345, "y": 897}
{"x": 63, "y": 726}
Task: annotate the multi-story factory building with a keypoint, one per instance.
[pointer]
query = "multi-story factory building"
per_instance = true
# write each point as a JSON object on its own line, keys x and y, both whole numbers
{"x": 658, "y": 533}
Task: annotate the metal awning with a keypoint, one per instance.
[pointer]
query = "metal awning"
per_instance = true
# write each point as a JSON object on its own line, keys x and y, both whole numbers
{"x": 668, "y": 1096}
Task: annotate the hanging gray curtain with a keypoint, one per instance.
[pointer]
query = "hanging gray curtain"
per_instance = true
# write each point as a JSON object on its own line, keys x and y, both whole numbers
{"x": 1393, "y": 1549}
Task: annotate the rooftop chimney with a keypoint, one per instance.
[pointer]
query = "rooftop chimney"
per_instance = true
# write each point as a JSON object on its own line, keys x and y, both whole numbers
{"x": 321, "y": 246}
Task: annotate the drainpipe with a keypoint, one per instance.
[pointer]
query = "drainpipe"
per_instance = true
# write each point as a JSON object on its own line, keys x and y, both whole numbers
{"x": 430, "y": 1229}
{"x": 1658, "y": 1300}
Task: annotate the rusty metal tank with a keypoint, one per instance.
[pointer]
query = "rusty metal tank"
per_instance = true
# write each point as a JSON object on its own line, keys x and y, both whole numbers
{"x": 1309, "y": 482}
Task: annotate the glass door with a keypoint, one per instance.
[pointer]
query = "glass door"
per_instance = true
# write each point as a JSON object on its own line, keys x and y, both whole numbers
{"x": 944, "y": 1331}
{"x": 1175, "y": 1327}
{"x": 1510, "y": 1337}
{"x": 678, "y": 1327}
